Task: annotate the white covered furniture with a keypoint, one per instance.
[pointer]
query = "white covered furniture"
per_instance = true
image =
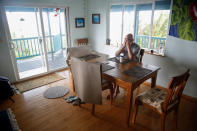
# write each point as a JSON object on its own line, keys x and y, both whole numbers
{"x": 88, "y": 81}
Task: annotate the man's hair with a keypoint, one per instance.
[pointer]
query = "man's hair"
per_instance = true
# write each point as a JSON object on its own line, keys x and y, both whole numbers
{"x": 129, "y": 35}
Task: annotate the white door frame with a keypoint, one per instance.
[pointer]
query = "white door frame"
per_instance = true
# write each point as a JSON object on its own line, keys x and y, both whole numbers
{"x": 11, "y": 48}
{"x": 12, "y": 53}
{"x": 46, "y": 62}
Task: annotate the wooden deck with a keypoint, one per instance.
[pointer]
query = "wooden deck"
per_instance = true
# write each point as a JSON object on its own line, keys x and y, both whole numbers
{"x": 36, "y": 113}
{"x": 55, "y": 60}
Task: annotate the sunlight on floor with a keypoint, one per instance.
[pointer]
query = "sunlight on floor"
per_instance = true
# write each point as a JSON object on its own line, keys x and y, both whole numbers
{"x": 32, "y": 72}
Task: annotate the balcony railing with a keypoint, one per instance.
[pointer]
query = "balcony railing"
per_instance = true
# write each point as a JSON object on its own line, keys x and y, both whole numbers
{"x": 29, "y": 47}
{"x": 157, "y": 43}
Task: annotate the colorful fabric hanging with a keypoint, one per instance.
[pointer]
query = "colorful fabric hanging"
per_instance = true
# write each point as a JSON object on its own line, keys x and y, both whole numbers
{"x": 184, "y": 20}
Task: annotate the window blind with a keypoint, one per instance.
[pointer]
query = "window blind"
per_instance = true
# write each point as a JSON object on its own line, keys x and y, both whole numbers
{"x": 116, "y": 8}
{"x": 162, "y": 5}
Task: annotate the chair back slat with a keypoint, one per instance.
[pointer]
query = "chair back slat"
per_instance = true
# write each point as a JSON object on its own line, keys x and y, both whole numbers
{"x": 141, "y": 55}
{"x": 82, "y": 41}
{"x": 175, "y": 89}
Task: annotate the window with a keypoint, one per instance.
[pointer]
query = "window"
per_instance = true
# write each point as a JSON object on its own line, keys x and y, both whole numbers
{"x": 128, "y": 23}
{"x": 116, "y": 24}
{"x": 160, "y": 26}
{"x": 148, "y": 23}
{"x": 143, "y": 25}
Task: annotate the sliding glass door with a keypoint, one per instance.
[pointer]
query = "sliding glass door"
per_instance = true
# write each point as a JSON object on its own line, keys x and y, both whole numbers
{"x": 27, "y": 39}
{"x": 38, "y": 36}
{"x": 55, "y": 35}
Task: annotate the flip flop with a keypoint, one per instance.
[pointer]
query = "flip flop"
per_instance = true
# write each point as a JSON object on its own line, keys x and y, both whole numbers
{"x": 71, "y": 99}
{"x": 76, "y": 102}
{"x": 68, "y": 97}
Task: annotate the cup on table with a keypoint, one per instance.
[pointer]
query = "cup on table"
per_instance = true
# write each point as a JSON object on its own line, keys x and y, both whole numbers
{"x": 121, "y": 59}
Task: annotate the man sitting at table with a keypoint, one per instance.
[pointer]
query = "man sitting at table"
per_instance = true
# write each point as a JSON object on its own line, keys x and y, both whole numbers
{"x": 129, "y": 49}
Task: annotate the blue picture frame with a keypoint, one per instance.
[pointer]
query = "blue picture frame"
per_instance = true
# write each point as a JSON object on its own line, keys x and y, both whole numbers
{"x": 79, "y": 22}
{"x": 95, "y": 18}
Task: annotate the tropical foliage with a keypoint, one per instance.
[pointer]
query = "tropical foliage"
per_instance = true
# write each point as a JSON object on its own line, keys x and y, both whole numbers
{"x": 159, "y": 27}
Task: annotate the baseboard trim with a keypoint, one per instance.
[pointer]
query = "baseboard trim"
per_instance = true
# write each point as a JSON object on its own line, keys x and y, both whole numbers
{"x": 186, "y": 97}
{"x": 189, "y": 98}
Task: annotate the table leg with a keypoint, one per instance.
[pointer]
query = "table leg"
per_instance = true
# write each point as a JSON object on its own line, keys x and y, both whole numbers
{"x": 129, "y": 104}
{"x": 153, "y": 80}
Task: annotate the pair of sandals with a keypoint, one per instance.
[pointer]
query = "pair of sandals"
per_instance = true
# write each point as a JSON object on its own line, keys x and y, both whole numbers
{"x": 74, "y": 100}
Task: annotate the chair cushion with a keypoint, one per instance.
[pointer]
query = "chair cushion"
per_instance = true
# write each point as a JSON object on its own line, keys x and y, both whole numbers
{"x": 153, "y": 97}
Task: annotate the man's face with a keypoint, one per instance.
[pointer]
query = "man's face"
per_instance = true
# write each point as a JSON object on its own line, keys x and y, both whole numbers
{"x": 130, "y": 38}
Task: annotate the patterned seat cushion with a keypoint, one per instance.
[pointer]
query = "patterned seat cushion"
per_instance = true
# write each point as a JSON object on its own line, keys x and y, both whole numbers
{"x": 153, "y": 97}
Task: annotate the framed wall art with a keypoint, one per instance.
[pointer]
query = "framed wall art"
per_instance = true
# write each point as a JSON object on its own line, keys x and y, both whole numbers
{"x": 95, "y": 18}
{"x": 79, "y": 22}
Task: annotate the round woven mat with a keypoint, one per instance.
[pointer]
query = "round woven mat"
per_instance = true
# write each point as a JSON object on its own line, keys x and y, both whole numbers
{"x": 55, "y": 92}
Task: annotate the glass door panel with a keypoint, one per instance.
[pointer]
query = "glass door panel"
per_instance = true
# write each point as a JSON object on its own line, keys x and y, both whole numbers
{"x": 26, "y": 37}
{"x": 55, "y": 34}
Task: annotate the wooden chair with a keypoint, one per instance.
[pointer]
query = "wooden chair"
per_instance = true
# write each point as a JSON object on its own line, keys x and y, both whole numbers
{"x": 163, "y": 102}
{"x": 141, "y": 55}
{"x": 89, "y": 83}
{"x": 71, "y": 75}
{"x": 82, "y": 41}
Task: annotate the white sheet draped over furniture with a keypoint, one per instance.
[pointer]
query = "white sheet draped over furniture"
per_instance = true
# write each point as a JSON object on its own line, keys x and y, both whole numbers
{"x": 82, "y": 51}
{"x": 79, "y": 51}
{"x": 85, "y": 50}
{"x": 87, "y": 80}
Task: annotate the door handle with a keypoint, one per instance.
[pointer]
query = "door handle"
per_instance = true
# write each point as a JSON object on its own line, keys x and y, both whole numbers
{"x": 40, "y": 40}
{"x": 12, "y": 46}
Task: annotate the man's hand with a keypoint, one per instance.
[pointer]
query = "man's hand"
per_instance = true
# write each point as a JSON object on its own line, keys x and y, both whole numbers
{"x": 128, "y": 43}
{"x": 125, "y": 42}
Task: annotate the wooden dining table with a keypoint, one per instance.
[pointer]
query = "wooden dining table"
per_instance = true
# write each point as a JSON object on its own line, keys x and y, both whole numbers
{"x": 118, "y": 76}
{"x": 129, "y": 82}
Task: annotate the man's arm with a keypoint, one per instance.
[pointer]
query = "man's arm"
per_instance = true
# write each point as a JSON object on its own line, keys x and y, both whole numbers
{"x": 119, "y": 51}
{"x": 121, "y": 48}
{"x": 130, "y": 54}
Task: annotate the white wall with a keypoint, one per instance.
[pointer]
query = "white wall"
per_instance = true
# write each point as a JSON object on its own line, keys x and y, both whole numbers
{"x": 77, "y": 8}
{"x": 179, "y": 55}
